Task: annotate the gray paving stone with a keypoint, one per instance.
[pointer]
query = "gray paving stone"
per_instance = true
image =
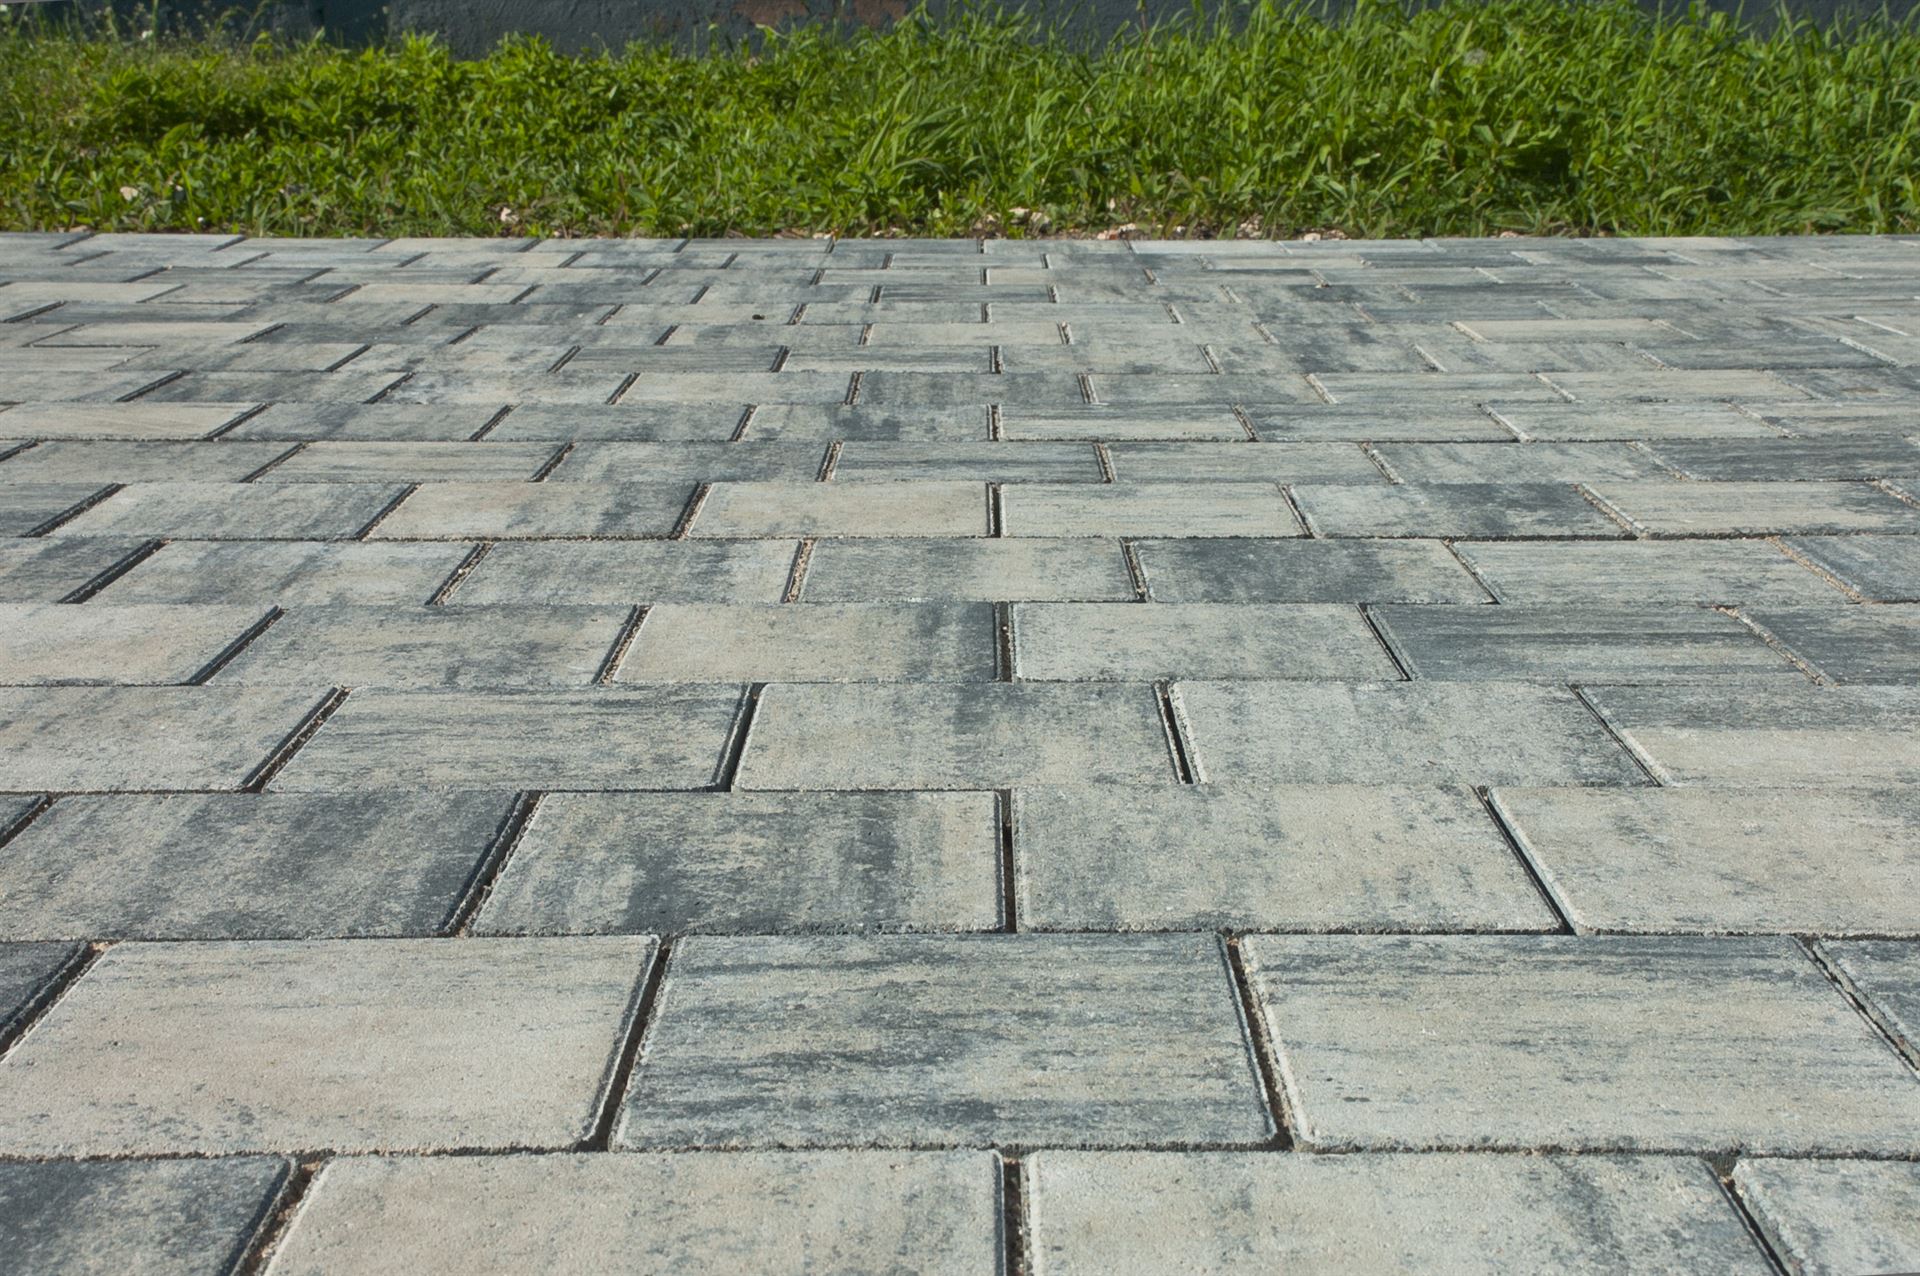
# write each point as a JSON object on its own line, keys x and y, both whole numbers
{"x": 111, "y": 738}
{"x": 1603, "y": 1043}
{"x": 1506, "y": 463}
{"x": 1831, "y": 1218}
{"x": 1617, "y": 420}
{"x": 237, "y": 511}
{"x": 1578, "y": 644}
{"x": 110, "y": 462}
{"x": 1240, "y": 463}
{"x": 930, "y": 736}
{"x": 167, "y": 1218}
{"x": 853, "y": 509}
{"x": 714, "y": 422}
{"x": 1147, "y": 509}
{"x": 144, "y": 420}
{"x": 991, "y": 570}
{"x": 1103, "y": 421}
{"x": 851, "y": 1212}
{"x": 1882, "y": 569}
{"x": 824, "y": 423}
{"x": 1777, "y": 460}
{"x": 1528, "y": 510}
{"x": 1121, "y": 641}
{"x": 1885, "y": 976}
{"x": 633, "y": 572}
{"x": 1757, "y": 509}
{"x": 742, "y": 862}
{"x": 596, "y": 462}
{"x": 884, "y": 461}
{"x": 823, "y": 642}
{"x": 1415, "y": 420}
{"x": 1139, "y": 1213}
{"x": 431, "y": 648}
{"x": 288, "y": 573}
{"x": 368, "y": 422}
{"x": 27, "y": 971}
{"x": 50, "y": 644}
{"x": 518, "y": 511}
{"x": 1304, "y": 571}
{"x": 45, "y": 571}
{"x": 1769, "y": 735}
{"x": 245, "y": 866}
{"x": 1633, "y": 573}
{"x": 1851, "y": 644}
{"x": 1321, "y": 857}
{"x": 934, "y": 1039}
{"x": 1715, "y": 862}
{"x": 1396, "y": 733}
{"x": 28, "y": 508}
{"x": 349, "y": 1045}
{"x": 355, "y": 462}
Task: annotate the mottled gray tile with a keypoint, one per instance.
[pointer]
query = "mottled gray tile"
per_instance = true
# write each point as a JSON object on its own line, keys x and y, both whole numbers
{"x": 1629, "y": 420}
{"x": 1241, "y": 463}
{"x": 433, "y": 462}
{"x": 632, "y": 572}
{"x": 714, "y": 422}
{"x": 1882, "y": 569}
{"x": 1304, "y": 571}
{"x": 1127, "y": 641}
{"x": 1784, "y": 460}
{"x": 144, "y": 462}
{"x": 368, "y": 422}
{"x": 1851, "y": 644}
{"x": 885, "y": 461}
{"x": 1147, "y": 509}
{"x": 1629, "y": 573}
{"x": 979, "y": 569}
{"x": 237, "y": 511}
{"x": 518, "y": 511}
{"x": 822, "y": 642}
{"x": 288, "y": 573}
{"x": 80, "y": 738}
{"x": 26, "y": 973}
{"x": 147, "y": 419}
{"x": 852, "y": 509}
{"x": 1602, "y": 1043}
{"x": 1835, "y": 1218}
{"x": 51, "y": 644}
{"x": 45, "y": 571}
{"x": 28, "y": 508}
{"x": 1508, "y": 463}
{"x": 934, "y": 1039}
{"x": 1885, "y": 976}
{"x": 622, "y": 462}
{"x": 1756, "y": 509}
{"x": 1536, "y": 510}
{"x": 1578, "y": 644}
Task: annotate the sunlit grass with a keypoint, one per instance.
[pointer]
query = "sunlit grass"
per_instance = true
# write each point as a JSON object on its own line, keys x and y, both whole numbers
{"x": 1525, "y": 115}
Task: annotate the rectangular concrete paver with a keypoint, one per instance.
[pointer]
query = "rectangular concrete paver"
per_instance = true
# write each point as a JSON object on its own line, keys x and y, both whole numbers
{"x": 1147, "y": 509}
{"x": 54, "y": 644}
{"x": 27, "y": 973}
{"x": 1578, "y": 644}
{"x": 220, "y": 1048}
{"x": 1305, "y": 571}
{"x": 1119, "y": 642}
{"x": 1829, "y": 1218}
{"x": 238, "y": 511}
{"x": 50, "y": 569}
{"x": 927, "y": 1039}
{"x": 287, "y": 573}
{"x": 1757, "y": 509}
{"x": 1635, "y": 573}
{"x": 1851, "y": 644}
{"x": 996, "y": 570}
{"x": 1881, "y": 569}
{"x": 942, "y": 508}
{"x": 513, "y": 511}
{"x": 1525, "y": 510}
{"x": 633, "y": 572}
{"x": 827, "y": 642}
{"x": 1885, "y": 976}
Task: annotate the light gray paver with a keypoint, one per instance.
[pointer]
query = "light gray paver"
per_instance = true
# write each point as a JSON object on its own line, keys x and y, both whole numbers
{"x": 1453, "y": 509}
{"x": 883, "y": 461}
{"x": 1606, "y": 1043}
{"x": 742, "y": 862}
{"x": 45, "y": 571}
{"x": 1120, "y": 642}
{"x": 1241, "y": 463}
{"x": 139, "y": 462}
{"x": 508, "y": 511}
{"x": 1396, "y": 733}
{"x": 1804, "y": 861}
{"x": 826, "y": 642}
{"x": 1882, "y": 569}
{"x": 367, "y": 422}
{"x": 219, "y": 1048}
{"x": 1836, "y": 1218}
{"x": 78, "y": 738}
{"x": 1303, "y": 571}
{"x": 1147, "y": 509}
{"x": 48, "y": 643}
{"x": 996, "y": 570}
{"x": 163, "y": 1218}
{"x": 1885, "y": 976}
{"x": 1632, "y": 573}
{"x": 852, "y": 509}
{"x": 983, "y": 736}
{"x": 779, "y": 1213}
{"x": 1143, "y": 1213}
{"x": 1757, "y": 509}
{"x": 635, "y": 572}
{"x": 1578, "y": 644}
{"x": 658, "y": 738}
{"x": 358, "y": 462}
{"x": 608, "y": 462}
{"x": 245, "y": 866}
{"x": 1775, "y": 734}
{"x": 287, "y": 573}
{"x": 1429, "y": 463}
{"x": 1321, "y": 857}
{"x": 1851, "y": 644}
{"x": 132, "y": 421}
{"x": 237, "y": 511}
{"x": 935, "y": 1039}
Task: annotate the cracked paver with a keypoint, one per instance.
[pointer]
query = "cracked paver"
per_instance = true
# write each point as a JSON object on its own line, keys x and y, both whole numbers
{"x": 817, "y": 755}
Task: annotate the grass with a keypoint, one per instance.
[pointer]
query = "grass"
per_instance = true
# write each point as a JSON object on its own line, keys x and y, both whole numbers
{"x": 1480, "y": 116}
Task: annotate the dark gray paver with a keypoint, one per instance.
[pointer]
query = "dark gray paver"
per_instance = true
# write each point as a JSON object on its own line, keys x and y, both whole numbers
{"x": 741, "y": 862}
{"x": 1319, "y": 857}
{"x": 780, "y": 1213}
{"x": 954, "y": 737}
{"x": 1147, "y": 509}
{"x": 367, "y": 422}
{"x": 237, "y": 511}
{"x": 27, "y": 971}
{"x": 508, "y": 511}
{"x": 138, "y": 462}
{"x": 1851, "y": 644}
{"x": 1578, "y": 644}
{"x": 658, "y": 738}
{"x": 1122, "y": 642}
{"x": 1302, "y": 571}
{"x": 990, "y": 462}
{"x": 1777, "y": 460}
{"x": 431, "y": 462}
{"x": 1773, "y": 734}
{"x": 104, "y": 1218}
{"x": 29, "y": 508}
{"x": 1610, "y": 1043}
{"x": 1396, "y": 733}
{"x": 46, "y": 571}
{"x": 826, "y": 642}
{"x": 1633, "y": 573}
{"x": 1885, "y": 976}
{"x": 1453, "y": 509}
{"x": 287, "y": 573}
{"x": 633, "y": 572}
{"x": 1628, "y": 420}
{"x": 217, "y": 1048}
{"x": 932, "y": 1039}
{"x": 1882, "y": 569}
{"x": 1482, "y": 463}
{"x": 1139, "y": 1213}
{"x": 981, "y": 570}
{"x": 1757, "y": 509}
{"x": 245, "y": 866}
{"x": 1806, "y": 861}
{"x": 627, "y": 462}
{"x": 1831, "y": 1218}
{"x": 47, "y": 643}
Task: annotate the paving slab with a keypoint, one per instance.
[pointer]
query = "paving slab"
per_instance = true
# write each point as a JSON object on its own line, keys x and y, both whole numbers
{"x": 1396, "y": 733}
{"x": 111, "y": 738}
{"x": 631, "y": 572}
{"x": 1241, "y": 463}
{"x": 945, "y": 1040}
{"x": 1806, "y": 861}
{"x": 346, "y": 1045}
{"x": 245, "y": 866}
{"x": 893, "y": 462}
{"x": 1828, "y": 1218}
{"x": 1789, "y": 460}
{"x": 30, "y": 509}
{"x": 1885, "y": 976}
{"x": 852, "y": 509}
{"x": 141, "y": 462}
{"x": 1757, "y": 509}
{"x": 1467, "y": 510}
{"x": 658, "y": 738}
{"x": 821, "y": 642}
{"x": 1632, "y": 573}
{"x": 50, "y": 644}
{"x": 286, "y": 573}
{"x": 852, "y": 1212}
{"x": 994, "y": 735}
{"x": 165, "y": 1217}
{"x": 1578, "y": 644}
{"x": 1881, "y": 569}
{"x": 988, "y": 570}
{"x": 519, "y": 511}
{"x": 743, "y": 862}
{"x": 1628, "y": 420}
{"x": 1304, "y": 571}
{"x": 27, "y": 974}
{"x": 1850, "y": 644}
{"x": 1147, "y": 509}
{"x": 1768, "y": 735}
{"x": 1598, "y": 1043}
{"x": 355, "y": 462}
{"x": 1127, "y": 642}
{"x": 144, "y": 420}
{"x": 1138, "y": 1213}
{"x": 1505, "y": 463}
{"x": 237, "y": 511}
{"x": 367, "y": 422}
{"x": 48, "y": 570}
{"x": 1296, "y": 858}
{"x": 628, "y": 462}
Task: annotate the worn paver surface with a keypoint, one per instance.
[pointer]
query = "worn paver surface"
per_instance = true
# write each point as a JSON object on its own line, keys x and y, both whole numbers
{"x": 1015, "y": 757}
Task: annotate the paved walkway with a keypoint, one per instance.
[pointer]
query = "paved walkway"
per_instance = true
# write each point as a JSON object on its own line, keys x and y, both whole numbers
{"x": 1057, "y": 758}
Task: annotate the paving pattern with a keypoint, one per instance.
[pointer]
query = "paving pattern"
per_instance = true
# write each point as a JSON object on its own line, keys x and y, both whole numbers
{"x": 1047, "y": 758}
